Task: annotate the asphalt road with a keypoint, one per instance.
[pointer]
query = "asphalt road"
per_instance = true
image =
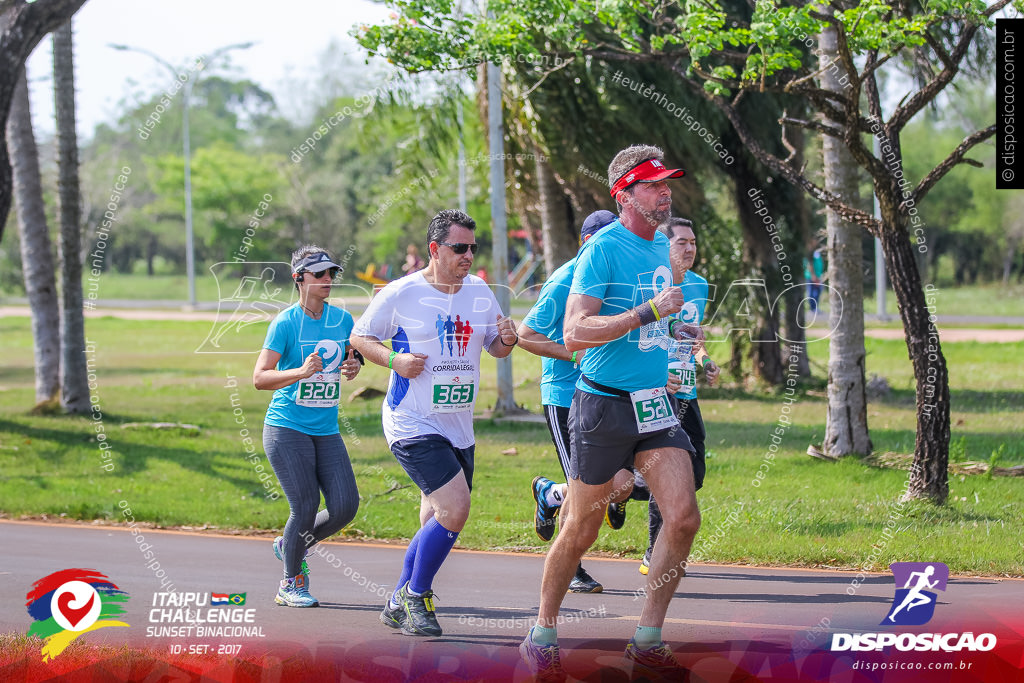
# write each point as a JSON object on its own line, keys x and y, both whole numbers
{"x": 725, "y": 621}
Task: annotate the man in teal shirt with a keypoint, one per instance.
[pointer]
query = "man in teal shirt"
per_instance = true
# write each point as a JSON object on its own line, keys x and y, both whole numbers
{"x": 619, "y": 310}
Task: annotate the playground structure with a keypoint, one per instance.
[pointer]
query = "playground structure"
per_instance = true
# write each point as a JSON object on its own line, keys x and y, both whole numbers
{"x": 376, "y": 275}
{"x": 522, "y": 271}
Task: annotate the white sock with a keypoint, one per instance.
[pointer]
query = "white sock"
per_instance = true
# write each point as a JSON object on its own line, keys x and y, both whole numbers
{"x": 556, "y": 495}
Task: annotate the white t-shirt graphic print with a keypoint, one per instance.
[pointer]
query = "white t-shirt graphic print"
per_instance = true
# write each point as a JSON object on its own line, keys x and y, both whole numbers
{"x": 452, "y": 331}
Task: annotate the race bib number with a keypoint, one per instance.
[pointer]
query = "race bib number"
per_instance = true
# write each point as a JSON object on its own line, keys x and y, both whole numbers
{"x": 319, "y": 390}
{"x": 652, "y": 410}
{"x": 686, "y": 372}
{"x": 689, "y": 376}
{"x": 453, "y": 393}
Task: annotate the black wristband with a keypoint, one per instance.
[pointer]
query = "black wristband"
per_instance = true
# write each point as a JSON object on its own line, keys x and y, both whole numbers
{"x": 646, "y": 314}
{"x": 512, "y": 344}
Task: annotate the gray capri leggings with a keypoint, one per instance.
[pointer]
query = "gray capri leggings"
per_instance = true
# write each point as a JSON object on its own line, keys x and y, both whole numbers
{"x": 306, "y": 465}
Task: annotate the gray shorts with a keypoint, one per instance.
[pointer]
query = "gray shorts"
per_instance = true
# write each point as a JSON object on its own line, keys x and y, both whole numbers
{"x": 603, "y": 437}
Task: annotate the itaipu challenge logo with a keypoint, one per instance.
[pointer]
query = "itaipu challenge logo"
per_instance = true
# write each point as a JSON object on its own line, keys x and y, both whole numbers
{"x": 72, "y": 602}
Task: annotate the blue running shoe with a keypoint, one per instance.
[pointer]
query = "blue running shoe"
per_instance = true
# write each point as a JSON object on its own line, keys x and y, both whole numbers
{"x": 294, "y": 592}
{"x": 545, "y": 515}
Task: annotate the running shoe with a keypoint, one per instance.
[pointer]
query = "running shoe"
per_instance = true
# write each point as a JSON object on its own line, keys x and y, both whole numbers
{"x": 584, "y": 582}
{"x": 392, "y": 617}
{"x": 645, "y": 566}
{"x": 654, "y": 664}
{"x": 294, "y": 592}
{"x": 420, "y": 619}
{"x": 542, "y": 660}
{"x": 544, "y": 517}
{"x": 615, "y": 514}
{"x": 279, "y": 552}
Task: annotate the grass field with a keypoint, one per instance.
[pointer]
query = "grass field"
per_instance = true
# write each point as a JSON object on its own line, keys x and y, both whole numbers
{"x": 983, "y": 300}
{"x": 806, "y": 512}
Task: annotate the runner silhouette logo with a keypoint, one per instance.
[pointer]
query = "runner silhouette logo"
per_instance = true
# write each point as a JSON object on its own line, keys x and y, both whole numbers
{"x": 916, "y": 583}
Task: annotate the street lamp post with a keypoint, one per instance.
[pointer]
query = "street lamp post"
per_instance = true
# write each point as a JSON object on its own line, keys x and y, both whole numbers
{"x": 190, "y": 265}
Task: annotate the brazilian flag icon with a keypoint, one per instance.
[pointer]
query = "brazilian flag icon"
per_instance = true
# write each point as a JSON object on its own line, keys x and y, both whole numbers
{"x": 237, "y": 598}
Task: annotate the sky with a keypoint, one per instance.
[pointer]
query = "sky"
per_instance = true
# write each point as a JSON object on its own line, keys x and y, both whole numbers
{"x": 290, "y": 41}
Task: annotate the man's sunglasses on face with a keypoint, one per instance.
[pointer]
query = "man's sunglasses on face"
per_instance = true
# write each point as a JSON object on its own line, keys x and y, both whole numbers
{"x": 460, "y": 247}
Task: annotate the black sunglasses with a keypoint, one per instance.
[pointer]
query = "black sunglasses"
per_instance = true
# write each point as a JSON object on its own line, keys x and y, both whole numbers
{"x": 460, "y": 247}
{"x": 332, "y": 271}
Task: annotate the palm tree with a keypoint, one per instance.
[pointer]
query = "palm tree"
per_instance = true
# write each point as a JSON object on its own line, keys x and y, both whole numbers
{"x": 22, "y": 26}
{"x": 36, "y": 250}
{"x": 74, "y": 383}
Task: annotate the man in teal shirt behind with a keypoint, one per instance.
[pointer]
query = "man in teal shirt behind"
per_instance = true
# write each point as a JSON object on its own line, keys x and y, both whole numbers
{"x": 540, "y": 333}
{"x": 682, "y": 254}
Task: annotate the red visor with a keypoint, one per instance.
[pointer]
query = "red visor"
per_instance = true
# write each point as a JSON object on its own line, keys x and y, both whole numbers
{"x": 650, "y": 171}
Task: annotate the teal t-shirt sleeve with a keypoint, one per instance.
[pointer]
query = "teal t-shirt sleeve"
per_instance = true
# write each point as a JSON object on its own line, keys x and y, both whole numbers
{"x": 278, "y": 335}
{"x": 546, "y": 315}
{"x": 593, "y": 272}
{"x": 539, "y": 317}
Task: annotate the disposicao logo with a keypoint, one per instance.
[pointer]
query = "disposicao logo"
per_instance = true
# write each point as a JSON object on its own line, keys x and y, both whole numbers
{"x": 71, "y": 602}
{"x": 914, "y": 605}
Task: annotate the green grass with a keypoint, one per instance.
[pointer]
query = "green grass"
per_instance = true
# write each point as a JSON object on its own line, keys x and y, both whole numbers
{"x": 985, "y": 300}
{"x": 114, "y": 285}
{"x": 981, "y": 300}
{"x": 806, "y": 512}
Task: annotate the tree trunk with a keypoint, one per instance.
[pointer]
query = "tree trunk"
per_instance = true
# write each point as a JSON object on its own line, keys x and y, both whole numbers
{"x": 36, "y": 251}
{"x": 846, "y": 425}
{"x": 22, "y": 26}
{"x": 1013, "y": 224}
{"x": 561, "y": 241}
{"x": 765, "y": 350}
{"x": 151, "y": 251}
{"x": 74, "y": 382}
{"x": 1008, "y": 259}
{"x": 928, "y": 476}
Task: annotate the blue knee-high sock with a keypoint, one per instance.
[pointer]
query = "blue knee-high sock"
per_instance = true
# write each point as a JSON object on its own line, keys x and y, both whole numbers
{"x": 435, "y": 544}
{"x": 407, "y": 564}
